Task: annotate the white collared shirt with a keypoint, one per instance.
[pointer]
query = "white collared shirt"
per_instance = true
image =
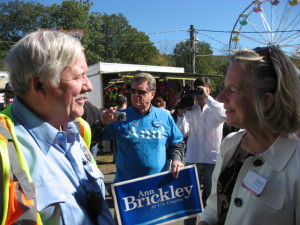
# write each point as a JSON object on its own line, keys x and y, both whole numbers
{"x": 204, "y": 129}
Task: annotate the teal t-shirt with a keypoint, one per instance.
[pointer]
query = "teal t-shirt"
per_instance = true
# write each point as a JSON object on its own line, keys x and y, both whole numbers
{"x": 141, "y": 142}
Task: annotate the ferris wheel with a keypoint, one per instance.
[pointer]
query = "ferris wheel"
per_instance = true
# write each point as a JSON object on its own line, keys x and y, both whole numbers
{"x": 269, "y": 22}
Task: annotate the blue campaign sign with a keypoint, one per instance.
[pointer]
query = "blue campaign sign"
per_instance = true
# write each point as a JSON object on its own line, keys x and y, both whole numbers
{"x": 158, "y": 198}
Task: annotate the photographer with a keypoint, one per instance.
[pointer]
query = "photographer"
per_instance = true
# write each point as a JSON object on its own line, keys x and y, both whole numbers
{"x": 203, "y": 124}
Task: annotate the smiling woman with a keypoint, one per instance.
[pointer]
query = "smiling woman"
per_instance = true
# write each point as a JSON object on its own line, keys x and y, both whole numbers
{"x": 255, "y": 171}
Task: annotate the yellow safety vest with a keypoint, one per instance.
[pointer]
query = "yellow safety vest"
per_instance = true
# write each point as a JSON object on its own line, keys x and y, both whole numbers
{"x": 84, "y": 130}
{"x": 18, "y": 192}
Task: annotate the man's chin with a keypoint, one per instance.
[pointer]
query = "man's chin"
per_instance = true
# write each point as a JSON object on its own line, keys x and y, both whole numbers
{"x": 77, "y": 114}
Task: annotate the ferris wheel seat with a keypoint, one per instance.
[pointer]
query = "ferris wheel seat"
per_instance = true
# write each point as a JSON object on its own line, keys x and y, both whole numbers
{"x": 294, "y": 2}
{"x": 257, "y": 9}
{"x": 275, "y": 2}
{"x": 235, "y": 39}
{"x": 268, "y": 22}
{"x": 244, "y": 22}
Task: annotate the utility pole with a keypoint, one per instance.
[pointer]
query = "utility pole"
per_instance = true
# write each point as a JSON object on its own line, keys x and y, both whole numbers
{"x": 192, "y": 49}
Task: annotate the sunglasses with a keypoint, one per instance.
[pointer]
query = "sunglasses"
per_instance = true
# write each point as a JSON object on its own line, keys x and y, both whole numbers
{"x": 264, "y": 52}
{"x": 139, "y": 92}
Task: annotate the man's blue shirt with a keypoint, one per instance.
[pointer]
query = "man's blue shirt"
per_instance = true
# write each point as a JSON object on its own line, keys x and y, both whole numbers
{"x": 60, "y": 166}
{"x": 141, "y": 142}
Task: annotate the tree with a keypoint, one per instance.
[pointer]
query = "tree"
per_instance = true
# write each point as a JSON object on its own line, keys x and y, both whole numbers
{"x": 124, "y": 43}
{"x": 17, "y": 19}
{"x": 182, "y": 55}
{"x": 93, "y": 39}
{"x": 75, "y": 15}
{"x": 106, "y": 37}
{"x": 296, "y": 57}
{"x": 165, "y": 60}
{"x": 204, "y": 61}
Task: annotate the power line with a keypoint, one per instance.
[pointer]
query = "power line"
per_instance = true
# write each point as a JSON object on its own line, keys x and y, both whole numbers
{"x": 213, "y": 39}
{"x": 248, "y": 32}
{"x": 170, "y": 31}
{"x": 200, "y": 31}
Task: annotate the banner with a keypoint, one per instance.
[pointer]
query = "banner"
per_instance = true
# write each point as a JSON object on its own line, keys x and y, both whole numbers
{"x": 158, "y": 198}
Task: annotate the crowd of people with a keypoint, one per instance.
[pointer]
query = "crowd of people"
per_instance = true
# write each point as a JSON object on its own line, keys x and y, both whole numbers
{"x": 50, "y": 132}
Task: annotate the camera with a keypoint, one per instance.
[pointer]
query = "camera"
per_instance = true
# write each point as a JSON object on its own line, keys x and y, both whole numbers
{"x": 197, "y": 91}
{"x": 187, "y": 97}
{"x": 120, "y": 115}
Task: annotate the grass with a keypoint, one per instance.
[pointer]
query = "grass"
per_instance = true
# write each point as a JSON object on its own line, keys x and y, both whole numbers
{"x": 105, "y": 157}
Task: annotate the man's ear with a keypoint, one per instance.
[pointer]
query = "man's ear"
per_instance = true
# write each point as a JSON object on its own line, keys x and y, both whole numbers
{"x": 268, "y": 101}
{"x": 153, "y": 94}
{"x": 38, "y": 86}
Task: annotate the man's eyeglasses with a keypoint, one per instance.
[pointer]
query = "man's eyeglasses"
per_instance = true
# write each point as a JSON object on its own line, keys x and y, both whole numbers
{"x": 140, "y": 92}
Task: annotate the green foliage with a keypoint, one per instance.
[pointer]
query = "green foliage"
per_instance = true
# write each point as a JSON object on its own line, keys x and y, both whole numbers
{"x": 165, "y": 60}
{"x": 92, "y": 39}
{"x": 107, "y": 38}
{"x": 205, "y": 62}
{"x": 182, "y": 55}
{"x": 17, "y": 19}
{"x": 125, "y": 44}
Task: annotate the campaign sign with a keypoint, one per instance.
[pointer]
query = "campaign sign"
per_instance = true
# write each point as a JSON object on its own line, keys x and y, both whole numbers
{"x": 158, "y": 198}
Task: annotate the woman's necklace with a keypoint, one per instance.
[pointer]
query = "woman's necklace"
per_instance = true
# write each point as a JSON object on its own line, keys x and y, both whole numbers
{"x": 248, "y": 144}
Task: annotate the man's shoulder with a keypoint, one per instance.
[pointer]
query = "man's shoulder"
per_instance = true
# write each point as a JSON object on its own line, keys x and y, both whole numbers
{"x": 90, "y": 106}
{"x": 91, "y": 113}
{"x": 128, "y": 109}
{"x": 162, "y": 112}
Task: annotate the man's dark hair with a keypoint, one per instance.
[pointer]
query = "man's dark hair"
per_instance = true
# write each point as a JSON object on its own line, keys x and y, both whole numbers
{"x": 202, "y": 81}
{"x": 121, "y": 99}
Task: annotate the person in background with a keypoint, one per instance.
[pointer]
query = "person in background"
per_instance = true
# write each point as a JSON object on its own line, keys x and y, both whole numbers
{"x": 92, "y": 116}
{"x": 178, "y": 113}
{"x": 178, "y": 116}
{"x": 141, "y": 139}
{"x": 121, "y": 102}
{"x": 203, "y": 124}
{"x": 9, "y": 94}
{"x": 48, "y": 72}
{"x": 161, "y": 103}
{"x": 256, "y": 180}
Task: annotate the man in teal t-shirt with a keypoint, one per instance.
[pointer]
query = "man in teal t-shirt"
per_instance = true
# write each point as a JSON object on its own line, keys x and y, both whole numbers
{"x": 142, "y": 139}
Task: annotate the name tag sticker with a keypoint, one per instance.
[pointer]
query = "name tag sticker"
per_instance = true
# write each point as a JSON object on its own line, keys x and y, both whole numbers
{"x": 156, "y": 123}
{"x": 254, "y": 182}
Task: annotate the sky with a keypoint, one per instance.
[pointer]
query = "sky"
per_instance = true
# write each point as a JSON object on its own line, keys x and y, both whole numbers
{"x": 167, "y": 22}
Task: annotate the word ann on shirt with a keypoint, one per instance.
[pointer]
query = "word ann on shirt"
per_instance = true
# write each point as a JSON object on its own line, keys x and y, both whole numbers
{"x": 146, "y": 134}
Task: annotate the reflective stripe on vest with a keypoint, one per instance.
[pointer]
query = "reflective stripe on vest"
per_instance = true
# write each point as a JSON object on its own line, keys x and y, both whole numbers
{"x": 18, "y": 192}
{"x": 84, "y": 130}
